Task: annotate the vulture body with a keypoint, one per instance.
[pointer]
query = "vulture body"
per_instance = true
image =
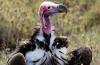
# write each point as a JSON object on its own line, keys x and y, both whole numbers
{"x": 46, "y": 55}
{"x": 38, "y": 49}
{"x": 44, "y": 47}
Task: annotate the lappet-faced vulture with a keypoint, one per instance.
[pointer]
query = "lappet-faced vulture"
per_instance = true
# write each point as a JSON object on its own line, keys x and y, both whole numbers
{"x": 37, "y": 51}
{"x": 44, "y": 47}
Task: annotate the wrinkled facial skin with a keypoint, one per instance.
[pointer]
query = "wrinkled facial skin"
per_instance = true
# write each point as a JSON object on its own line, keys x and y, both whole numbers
{"x": 54, "y": 9}
{"x": 49, "y": 8}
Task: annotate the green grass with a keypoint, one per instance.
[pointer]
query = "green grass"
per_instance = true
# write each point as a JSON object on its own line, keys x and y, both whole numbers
{"x": 3, "y": 58}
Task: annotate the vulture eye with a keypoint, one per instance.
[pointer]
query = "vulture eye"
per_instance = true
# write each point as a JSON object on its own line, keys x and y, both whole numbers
{"x": 49, "y": 7}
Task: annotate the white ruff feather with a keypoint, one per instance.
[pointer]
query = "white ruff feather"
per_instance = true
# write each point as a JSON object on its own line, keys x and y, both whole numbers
{"x": 53, "y": 36}
{"x": 37, "y": 54}
{"x": 63, "y": 50}
{"x": 40, "y": 36}
{"x": 60, "y": 53}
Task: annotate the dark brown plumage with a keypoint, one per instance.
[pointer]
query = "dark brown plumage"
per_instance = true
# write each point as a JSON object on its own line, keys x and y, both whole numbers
{"x": 61, "y": 41}
{"x": 82, "y": 55}
{"x": 16, "y": 59}
{"x": 79, "y": 56}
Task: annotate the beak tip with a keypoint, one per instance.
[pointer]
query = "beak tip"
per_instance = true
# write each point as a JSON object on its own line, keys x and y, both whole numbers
{"x": 62, "y": 8}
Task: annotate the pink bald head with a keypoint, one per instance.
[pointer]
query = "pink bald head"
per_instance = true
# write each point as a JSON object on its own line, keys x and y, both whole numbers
{"x": 46, "y": 9}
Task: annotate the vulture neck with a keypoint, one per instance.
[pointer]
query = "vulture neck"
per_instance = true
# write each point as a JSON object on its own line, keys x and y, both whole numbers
{"x": 45, "y": 24}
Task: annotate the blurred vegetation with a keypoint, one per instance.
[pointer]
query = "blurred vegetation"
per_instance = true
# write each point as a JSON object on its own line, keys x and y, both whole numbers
{"x": 81, "y": 24}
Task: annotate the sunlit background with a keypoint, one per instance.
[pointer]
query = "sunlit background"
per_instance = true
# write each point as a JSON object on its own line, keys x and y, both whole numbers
{"x": 81, "y": 24}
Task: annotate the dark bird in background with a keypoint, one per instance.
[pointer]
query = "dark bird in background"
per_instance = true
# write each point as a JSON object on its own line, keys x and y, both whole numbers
{"x": 44, "y": 47}
{"x": 82, "y": 55}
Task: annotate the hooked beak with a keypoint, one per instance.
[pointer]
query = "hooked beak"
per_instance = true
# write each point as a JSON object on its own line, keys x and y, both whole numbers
{"x": 62, "y": 8}
{"x": 56, "y": 8}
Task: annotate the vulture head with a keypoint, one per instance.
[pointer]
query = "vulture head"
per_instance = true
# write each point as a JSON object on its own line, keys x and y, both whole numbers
{"x": 47, "y": 9}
